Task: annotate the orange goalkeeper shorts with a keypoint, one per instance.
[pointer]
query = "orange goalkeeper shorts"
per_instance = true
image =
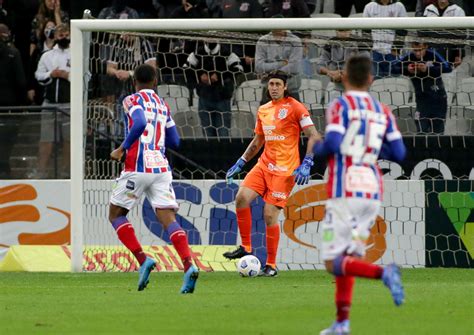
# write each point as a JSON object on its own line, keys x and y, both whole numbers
{"x": 272, "y": 188}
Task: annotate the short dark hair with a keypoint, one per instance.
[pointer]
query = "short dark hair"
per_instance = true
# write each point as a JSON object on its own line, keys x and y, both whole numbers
{"x": 144, "y": 74}
{"x": 278, "y": 74}
{"x": 358, "y": 70}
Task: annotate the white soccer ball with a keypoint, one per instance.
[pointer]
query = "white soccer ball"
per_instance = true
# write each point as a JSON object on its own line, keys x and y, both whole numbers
{"x": 248, "y": 266}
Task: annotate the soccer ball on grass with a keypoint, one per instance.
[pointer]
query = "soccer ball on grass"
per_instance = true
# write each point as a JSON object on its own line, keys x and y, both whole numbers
{"x": 248, "y": 266}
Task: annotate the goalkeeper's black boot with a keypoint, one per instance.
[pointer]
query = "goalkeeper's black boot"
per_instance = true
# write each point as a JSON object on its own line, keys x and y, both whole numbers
{"x": 237, "y": 253}
{"x": 268, "y": 271}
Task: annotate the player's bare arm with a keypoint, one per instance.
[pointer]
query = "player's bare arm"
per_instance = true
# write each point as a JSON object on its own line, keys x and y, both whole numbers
{"x": 313, "y": 136}
{"x": 254, "y": 147}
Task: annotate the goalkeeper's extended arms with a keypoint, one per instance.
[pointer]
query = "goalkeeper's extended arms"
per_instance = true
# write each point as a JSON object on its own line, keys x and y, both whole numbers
{"x": 252, "y": 149}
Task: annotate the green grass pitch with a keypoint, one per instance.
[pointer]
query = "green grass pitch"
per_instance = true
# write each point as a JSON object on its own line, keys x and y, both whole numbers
{"x": 438, "y": 301}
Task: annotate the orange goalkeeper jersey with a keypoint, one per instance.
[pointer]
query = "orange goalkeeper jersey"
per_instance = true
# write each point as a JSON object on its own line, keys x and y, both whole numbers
{"x": 281, "y": 123}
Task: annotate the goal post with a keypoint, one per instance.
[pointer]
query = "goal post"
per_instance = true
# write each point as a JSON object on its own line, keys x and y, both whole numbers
{"x": 79, "y": 76}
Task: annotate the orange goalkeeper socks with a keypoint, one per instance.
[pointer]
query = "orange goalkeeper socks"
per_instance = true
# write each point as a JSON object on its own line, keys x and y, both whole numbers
{"x": 244, "y": 221}
{"x": 273, "y": 238}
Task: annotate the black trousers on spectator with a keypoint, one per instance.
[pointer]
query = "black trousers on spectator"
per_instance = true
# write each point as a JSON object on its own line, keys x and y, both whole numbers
{"x": 343, "y": 7}
{"x": 432, "y": 108}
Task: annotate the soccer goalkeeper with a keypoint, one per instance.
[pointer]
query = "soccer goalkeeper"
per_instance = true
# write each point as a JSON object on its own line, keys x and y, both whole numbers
{"x": 279, "y": 123}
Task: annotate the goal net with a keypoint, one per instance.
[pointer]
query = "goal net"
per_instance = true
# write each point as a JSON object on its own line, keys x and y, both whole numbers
{"x": 212, "y": 75}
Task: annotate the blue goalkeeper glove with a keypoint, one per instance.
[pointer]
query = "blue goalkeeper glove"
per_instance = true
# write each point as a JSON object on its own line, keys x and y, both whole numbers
{"x": 302, "y": 172}
{"x": 235, "y": 169}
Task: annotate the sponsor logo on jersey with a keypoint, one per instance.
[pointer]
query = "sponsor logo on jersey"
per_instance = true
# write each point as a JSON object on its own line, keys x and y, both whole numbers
{"x": 282, "y": 113}
{"x": 130, "y": 185}
{"x": 273, "y": 167}
{"x": 274, "y": 138}
{"x": 279, "y": 195}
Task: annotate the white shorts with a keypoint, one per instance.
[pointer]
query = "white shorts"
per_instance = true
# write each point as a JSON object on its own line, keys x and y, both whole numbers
{"x": 342, "y": 216}
{"x": 158, "y": 189}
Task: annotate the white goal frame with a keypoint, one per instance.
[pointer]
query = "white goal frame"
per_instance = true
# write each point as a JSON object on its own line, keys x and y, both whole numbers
{"x": 78, "y": 76}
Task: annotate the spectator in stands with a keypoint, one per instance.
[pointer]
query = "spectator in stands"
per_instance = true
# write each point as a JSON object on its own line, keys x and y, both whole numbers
{"x": 425, "y": 66}
{"x": 453, "y": 53}
{"x": 12, "y": 74}
{"x": 46, "y": 43}
{"x": 443, "y": 8}
{"x": 191, "y": 9}
{"x": 335, "y": 54}
{"x": 212, "y": 67}
{"x": 242, "y": 9}
{"x": 122, "y": 54}
{"x": 383, "y": 51}
{"x": 164, "y": 8}
{"x": 13, "y": 92}
{"x": 344, "y": 7}
{"x": 421, "y": 5}
{"x": 49, "y": 10}
{"x": 279, "y": 50}
{"x": 286, "y": 8}
{"x": 118, "y": 10}
{"x": 126, "y": 53}
{"x": 53, "y": 72}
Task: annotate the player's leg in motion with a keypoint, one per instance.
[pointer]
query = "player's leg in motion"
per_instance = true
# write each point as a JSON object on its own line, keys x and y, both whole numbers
{"x": 345, "y": 267}
{"x": 179, "y": 240}
{"x": 270, "y": 215}
{"x": 126, "y": 235}
{"x": 244, "y": 198}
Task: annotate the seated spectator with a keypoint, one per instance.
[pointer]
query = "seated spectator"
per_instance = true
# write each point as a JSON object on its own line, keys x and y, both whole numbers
{"x": 49, "y": 10}
{"x": 118, "y": 10}
{"x": 280, "y": 50}
{"x": 191, "y": 9}
{"x": 344, "y": 7}
{"x": 383, "y": 52}
{"x": 212, "y": 67}
{"x": 13, "y": 92}
{"x": 286, "y": 8}
{"x": 425, "y": 66}
{"x": 53, "y": 72}
{"x": 335, "y": 54}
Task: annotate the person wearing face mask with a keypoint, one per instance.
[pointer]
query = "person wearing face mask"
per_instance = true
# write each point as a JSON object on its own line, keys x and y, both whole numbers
{"x": 53, "y": 73}
{"x": 13, "y": 88}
